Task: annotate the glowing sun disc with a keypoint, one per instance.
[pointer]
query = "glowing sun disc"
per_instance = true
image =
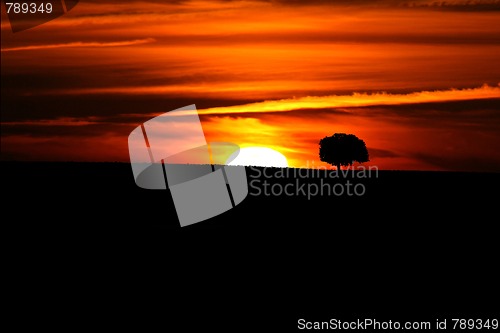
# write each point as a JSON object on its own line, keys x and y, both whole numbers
{"x": 259, "y": 156}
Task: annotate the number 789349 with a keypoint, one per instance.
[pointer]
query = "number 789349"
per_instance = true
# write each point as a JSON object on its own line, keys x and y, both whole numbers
{"x": 28, "y": 7}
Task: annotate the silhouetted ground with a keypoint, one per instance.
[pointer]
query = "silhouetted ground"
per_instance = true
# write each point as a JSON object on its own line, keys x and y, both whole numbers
{"x": 416, "y": 245}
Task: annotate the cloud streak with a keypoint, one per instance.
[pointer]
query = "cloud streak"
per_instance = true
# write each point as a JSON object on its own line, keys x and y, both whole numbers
{"x": 79, "y": 44}
{"x": 359, "y": 100}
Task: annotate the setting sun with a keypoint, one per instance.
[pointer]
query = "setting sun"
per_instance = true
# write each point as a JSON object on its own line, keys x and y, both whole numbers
{"x": 259, "y": 156}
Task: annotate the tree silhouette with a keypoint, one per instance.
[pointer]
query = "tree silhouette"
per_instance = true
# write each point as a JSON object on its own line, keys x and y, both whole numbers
{"x": 342, "y": 149}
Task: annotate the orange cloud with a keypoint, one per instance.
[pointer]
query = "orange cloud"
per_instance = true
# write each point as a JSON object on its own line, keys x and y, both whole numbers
{"x": 359, "y": 100}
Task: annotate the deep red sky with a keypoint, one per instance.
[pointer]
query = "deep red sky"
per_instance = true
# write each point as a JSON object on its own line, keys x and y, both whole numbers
{"x": 417, "y": 80}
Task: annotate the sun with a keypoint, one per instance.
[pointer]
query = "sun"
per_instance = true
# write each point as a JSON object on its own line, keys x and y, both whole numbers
{"x": 258, "y": 156}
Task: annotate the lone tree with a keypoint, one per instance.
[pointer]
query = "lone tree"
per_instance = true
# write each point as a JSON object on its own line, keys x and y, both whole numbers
{"x": 342, "y": 149}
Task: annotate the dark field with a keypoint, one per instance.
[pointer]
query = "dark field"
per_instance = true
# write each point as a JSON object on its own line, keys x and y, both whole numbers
{"x": 104, "y": 195}
{"x": 421, "y": 245}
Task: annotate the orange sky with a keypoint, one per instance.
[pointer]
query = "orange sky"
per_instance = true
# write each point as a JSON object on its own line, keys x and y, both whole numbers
{"x": 74, "y": 88}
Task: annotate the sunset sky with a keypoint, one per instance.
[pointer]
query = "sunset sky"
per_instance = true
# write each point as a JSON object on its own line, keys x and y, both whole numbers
{"x": 418, "y": 81}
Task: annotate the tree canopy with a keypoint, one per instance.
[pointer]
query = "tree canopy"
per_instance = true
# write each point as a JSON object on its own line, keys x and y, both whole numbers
{"x": 342, "y": 149}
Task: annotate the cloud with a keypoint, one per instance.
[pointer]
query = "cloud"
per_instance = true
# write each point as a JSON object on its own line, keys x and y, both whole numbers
{"x": 251, "y": 51}
{"x": 320, "y": 2}
{"x": 79, "y": 44}
{"x": 459, "y": 5}
{"x": 454, "y": 135}
{"x": 359, "y": 100}
{"x": 381, "y": 153}
{"x": 61, "y": 121}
